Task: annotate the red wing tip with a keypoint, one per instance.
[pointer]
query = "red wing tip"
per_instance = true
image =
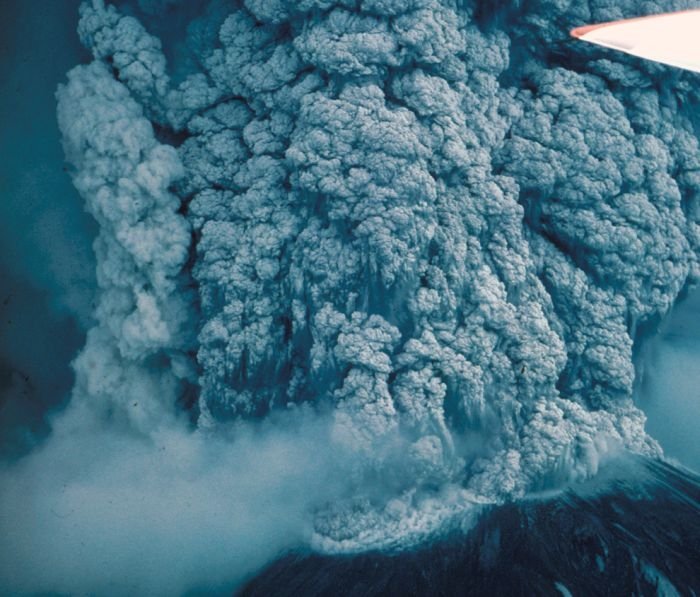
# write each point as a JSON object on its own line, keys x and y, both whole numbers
{"x": 581, "y": 31}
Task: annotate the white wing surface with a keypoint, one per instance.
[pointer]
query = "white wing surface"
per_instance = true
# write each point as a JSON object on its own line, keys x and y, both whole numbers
{"x": 670, "y": 38}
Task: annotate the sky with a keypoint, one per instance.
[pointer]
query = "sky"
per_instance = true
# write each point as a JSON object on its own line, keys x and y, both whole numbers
{"x": 669, "y": 392}
{"x": 46, "y": 262}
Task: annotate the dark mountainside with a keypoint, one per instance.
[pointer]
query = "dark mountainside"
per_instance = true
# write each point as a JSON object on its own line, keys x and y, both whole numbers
{"x": 640, "y": 537}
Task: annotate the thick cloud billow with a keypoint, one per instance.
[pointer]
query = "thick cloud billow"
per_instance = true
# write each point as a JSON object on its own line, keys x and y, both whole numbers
{"x": 438, "y": 227}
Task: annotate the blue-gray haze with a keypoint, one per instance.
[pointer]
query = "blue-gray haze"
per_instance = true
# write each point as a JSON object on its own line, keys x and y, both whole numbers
{"x": 360, "y": 267}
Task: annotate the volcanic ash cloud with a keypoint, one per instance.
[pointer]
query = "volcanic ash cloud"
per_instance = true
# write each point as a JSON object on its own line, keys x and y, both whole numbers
{"x": 430, "y": 222}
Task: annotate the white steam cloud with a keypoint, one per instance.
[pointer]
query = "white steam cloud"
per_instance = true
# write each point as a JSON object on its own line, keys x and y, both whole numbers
{"x": 111, "y": 513}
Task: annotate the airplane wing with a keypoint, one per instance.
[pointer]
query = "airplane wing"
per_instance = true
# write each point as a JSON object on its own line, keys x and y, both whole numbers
{"x": 670, "y": 38}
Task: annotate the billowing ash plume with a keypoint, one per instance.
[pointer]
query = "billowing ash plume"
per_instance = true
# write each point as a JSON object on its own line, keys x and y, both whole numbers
{"x": 445, "y": 225}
